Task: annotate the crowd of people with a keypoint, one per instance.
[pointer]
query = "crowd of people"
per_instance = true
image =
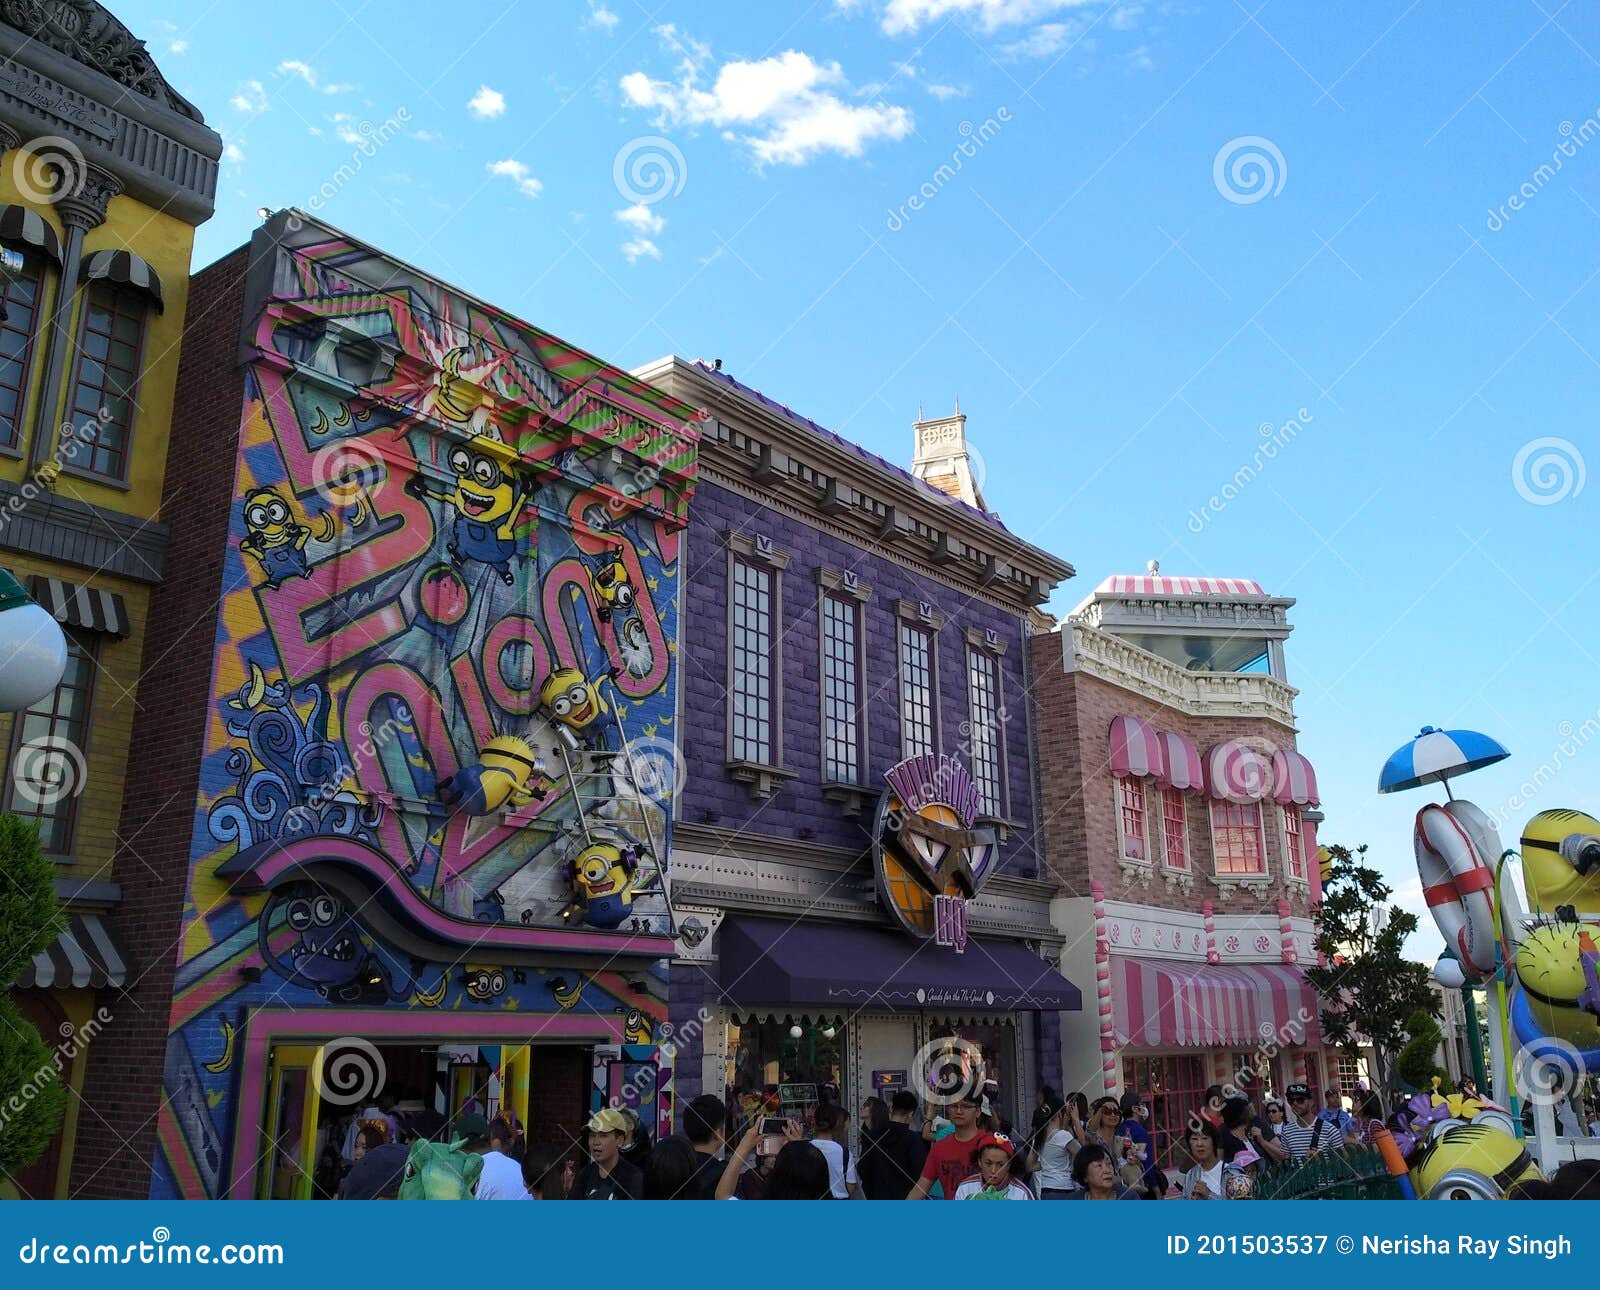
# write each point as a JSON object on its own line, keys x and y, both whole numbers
{"x": 1074, "y": 1149}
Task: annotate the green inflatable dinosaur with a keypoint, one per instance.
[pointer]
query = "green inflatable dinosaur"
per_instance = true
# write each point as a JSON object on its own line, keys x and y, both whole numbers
{"x": 435, "y": 1171}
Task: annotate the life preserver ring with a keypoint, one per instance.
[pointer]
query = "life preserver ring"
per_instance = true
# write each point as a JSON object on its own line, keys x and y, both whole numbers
{"x": 1456, "y": 845}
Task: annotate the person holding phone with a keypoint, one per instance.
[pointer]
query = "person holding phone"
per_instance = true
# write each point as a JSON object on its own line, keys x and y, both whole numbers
{"x": 799, "y": 1171}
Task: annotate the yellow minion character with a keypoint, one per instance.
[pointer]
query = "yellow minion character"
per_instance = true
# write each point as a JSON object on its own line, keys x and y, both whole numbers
{"x": 502, "y": 777}
{"x": 1561, "y": 863}
{"x": 1472, "y": 1162}
{"x": 486, "y": 498}
{"x": 484, "y": 983}
{"x": 602, "y": 884}
{"x": 574, "y": 701}
{"x": 274, "y": 537}
{"x": 1552, "y": 984}
{"x": 613, "y": 588}
{"x": 636, "y": 1028}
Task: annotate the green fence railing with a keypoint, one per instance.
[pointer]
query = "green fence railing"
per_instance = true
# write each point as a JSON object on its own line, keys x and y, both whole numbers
{"x": 1350, "y": 1173}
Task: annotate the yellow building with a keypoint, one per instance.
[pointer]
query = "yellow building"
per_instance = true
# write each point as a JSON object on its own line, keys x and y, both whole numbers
{"x": 105, "y": 172}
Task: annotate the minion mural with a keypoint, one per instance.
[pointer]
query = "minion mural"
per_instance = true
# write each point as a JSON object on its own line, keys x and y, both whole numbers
{"x": 449, "y": 610}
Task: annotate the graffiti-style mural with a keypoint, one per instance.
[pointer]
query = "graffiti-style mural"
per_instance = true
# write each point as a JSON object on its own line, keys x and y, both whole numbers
{"x": 445, "y": 651}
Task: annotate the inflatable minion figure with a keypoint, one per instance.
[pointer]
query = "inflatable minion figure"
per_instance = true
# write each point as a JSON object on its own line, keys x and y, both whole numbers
{"x": 613, "y": 588}
{"x": 1561, "y": 864}
{"x": 602, "y": 885}
{"x": 1477, "y": 1161}
{"x": 1555, "y": 967}
{"x": 502, "y": 778}
{"x": 485, "y": 499}
{"x": 576, "y": 705}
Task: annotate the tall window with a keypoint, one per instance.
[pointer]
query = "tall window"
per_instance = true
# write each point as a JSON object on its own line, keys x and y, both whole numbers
{"x": 48, "y": 749}
{"x": 1236, "y": 837}
{"x": 1293, "y": 844}
{"x": 917, "y": 697}
{"x": 1130, "y": 818}
{"x": 1173, "y": 1085}
{"x": 751, "y": 690}
{"x": 16, "y": 349}
{"x": 1174, "y": 828}
{"x": 983, "y": 730}
{"x": 841, "y": 691}
{"x": 106, "y": 383}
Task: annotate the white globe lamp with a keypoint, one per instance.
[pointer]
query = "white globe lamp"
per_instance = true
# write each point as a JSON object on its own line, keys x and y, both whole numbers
{"x": 33, "y": 650}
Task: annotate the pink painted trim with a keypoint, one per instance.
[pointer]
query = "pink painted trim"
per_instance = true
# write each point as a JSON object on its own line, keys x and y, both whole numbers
{"x": 267, "y": 1027}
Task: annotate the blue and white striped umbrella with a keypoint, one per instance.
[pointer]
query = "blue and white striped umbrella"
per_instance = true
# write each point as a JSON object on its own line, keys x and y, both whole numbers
{"x": 1435, "y": 755}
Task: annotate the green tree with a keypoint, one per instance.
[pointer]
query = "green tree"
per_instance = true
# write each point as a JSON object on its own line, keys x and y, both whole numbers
{"x": 1417, "y": 1063}
{"x": 1369, "y": 989}
{"x": 31, "y": 1096}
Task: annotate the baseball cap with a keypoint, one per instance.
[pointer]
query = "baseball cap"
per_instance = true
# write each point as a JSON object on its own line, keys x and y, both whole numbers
{"x": 1297, "y": 1090}
{"x": 472, "y": 1127}
{"x": 608, "y": 1120}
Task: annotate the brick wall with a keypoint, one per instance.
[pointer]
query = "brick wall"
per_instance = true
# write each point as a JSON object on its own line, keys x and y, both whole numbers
{"x": 122, "y": 1090}
{"x": 799, "y": 804}
{"x": 1078, "y": 800}
{"x": 688, "y": 990}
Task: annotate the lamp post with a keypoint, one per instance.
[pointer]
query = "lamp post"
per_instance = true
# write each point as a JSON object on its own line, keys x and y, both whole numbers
{"x": 33, "y": 650}
{"x": 1449, "y": 973}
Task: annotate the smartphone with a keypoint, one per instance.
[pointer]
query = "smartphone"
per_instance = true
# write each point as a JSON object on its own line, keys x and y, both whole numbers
{"x": 772, "y": 1126}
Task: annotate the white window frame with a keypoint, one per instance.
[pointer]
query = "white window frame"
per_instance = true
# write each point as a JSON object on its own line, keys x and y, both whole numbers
{"x": 1303, "y": 878}
{"x": 985, "y": 651}
{"x": 1187, "y": 866}
{"x": 1119, "y": 784}
{"x": 836, "y": 590}
{"x": 1238, "y": 875}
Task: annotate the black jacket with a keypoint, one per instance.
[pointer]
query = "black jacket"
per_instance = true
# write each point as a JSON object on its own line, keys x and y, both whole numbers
{"x": 890, "y": 1162}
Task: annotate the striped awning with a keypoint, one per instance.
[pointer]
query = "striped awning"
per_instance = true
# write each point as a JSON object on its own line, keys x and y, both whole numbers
{"x": 1235, "y": 773}
{"x": 1135, "y": 750}
{"x": 22, "y": 227}
{"x": 125, "y": 269}
{"x": 85, "y": 956}
{"x": 1163, "y": 1003}
{"x": 1294, "y": 782}
{"x": 73, "y": 604}
{"x": 1124, "y": 584}
{"x": 1180, "y": 762}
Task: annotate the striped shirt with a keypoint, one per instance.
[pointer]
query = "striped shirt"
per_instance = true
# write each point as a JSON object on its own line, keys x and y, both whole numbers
{"x": 1297, "y": 1138}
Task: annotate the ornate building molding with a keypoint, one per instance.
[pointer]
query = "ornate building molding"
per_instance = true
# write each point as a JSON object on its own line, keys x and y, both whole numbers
{"x": 82, "y": 197}
{"x": 1111, "y": 659}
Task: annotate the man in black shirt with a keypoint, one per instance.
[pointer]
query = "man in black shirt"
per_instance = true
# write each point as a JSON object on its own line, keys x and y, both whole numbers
{"x": 891, "y": 1160}
{"x": 705, "y": 1124}
{"x": 607, "y": 1176}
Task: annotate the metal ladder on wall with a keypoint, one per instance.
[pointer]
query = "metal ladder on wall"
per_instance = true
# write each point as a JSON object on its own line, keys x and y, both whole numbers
{"x": 592, "y": 778}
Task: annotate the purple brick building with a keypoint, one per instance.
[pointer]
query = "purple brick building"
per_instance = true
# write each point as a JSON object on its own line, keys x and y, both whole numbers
{"x": 856, "y": 851}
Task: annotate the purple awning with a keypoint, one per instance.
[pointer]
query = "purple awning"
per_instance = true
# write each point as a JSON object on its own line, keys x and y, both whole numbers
{"x": 766, "y": 961}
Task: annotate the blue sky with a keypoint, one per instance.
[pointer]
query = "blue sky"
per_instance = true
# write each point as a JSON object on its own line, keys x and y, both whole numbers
{"x": 1119, "y": 306}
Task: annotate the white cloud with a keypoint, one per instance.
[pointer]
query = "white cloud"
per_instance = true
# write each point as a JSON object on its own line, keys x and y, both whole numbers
{"x": 641, "y": 219}
{"x": 1139, "y": 60}
{"x": 344, "y": 128}
{"x": 1125, "y": 18}
{"x": 232, "y": 154}
{"x": 250, "y": 98}
{"x": 786, "y": 108}
{"x": 1042, "y": 41}
{"x": 519, "y": 174}
{"x": 603, "y": 18}
{"x": 638, "y": 247}
{"x": 901, "y": 17}
{"x": 427, "y": 136}
{"x": 943, "y": 92}
{"x": 178, "y": 47}
{"x": 487, "y": 104}
{"x": 308, "y": 74}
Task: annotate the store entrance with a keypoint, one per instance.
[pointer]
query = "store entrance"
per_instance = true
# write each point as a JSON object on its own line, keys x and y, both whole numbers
{"x": 321, "y": 1097}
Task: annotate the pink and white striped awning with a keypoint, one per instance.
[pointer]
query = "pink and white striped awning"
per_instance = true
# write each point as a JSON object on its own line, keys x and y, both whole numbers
{"x": 1161, "y": 1003}
{"x": 1127, "y": 584}
{"x": 1294, "y": 781}
{"x": 1180, "y": 762}
{"x": 1235, "y": 773}
{"x": 1135, "y": 749}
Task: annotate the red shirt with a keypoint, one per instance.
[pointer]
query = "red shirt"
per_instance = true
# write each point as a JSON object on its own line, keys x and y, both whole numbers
{"x": 951, "y": 1161}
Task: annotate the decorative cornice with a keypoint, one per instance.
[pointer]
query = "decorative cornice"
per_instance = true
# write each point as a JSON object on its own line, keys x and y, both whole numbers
{"x": 53, "y": 526}
{"x": 1266, "y": 615}
{"x": 82, "y": 196}
{"x": 750, "y": 442}
{"x": 845, "y": 583}
{"x": 1201, "y": 694}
